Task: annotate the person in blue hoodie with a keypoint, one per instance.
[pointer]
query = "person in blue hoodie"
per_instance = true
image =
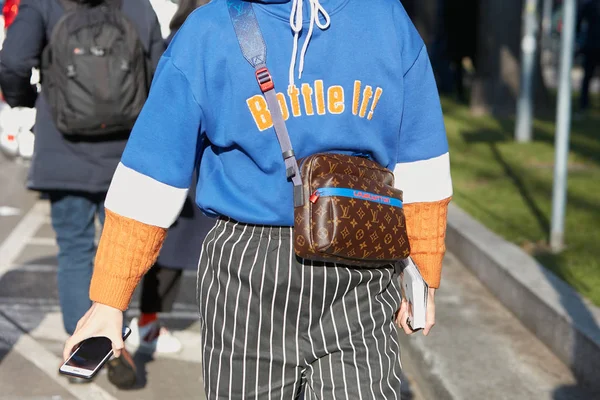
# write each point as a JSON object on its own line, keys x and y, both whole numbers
{"x": 351, "y": 77}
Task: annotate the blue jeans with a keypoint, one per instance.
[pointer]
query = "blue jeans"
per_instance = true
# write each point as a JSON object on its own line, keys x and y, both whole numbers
{"x": 73, "y": 216}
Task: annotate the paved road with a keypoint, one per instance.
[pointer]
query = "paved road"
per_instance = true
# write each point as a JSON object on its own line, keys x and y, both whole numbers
{"x": 15, "y": 201}
{"x": 31, "y": 334}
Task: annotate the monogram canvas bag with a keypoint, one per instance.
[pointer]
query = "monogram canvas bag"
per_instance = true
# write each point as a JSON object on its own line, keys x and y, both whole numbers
{"x": 346, "y": 209}
{"x": 353, "y": 215}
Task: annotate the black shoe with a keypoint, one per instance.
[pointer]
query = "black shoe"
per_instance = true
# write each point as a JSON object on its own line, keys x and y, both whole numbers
{"x": 122, "y": 371}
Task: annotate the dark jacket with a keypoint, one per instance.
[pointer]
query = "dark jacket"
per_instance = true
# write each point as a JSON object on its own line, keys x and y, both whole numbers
{"x": 181, "y": 249}
{"x": 59, "y": 163}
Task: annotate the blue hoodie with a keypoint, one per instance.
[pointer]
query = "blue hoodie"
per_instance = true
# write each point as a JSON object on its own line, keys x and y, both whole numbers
{"x": 366, "y": 87}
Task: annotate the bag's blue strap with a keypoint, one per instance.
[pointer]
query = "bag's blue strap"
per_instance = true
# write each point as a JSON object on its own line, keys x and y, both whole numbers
{"x": 356, "y": 194}
{"x": 254, "y": 50}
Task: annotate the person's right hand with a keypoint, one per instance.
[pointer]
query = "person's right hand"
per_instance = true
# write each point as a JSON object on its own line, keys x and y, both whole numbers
{"x": 100, "y": 320}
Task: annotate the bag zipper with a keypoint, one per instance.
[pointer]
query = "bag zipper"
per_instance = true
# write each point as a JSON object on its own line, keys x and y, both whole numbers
{"x": 355, "y": 194}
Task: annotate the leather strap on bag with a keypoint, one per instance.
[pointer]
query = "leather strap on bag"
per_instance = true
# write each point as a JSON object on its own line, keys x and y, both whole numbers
{"x": 254, "y": 50}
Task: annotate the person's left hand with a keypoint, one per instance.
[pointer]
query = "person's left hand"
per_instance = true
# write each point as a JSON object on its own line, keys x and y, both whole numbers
{"x": 402, "y": 315}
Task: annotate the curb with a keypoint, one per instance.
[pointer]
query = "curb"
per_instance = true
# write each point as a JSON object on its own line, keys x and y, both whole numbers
{"x": 420, "y": 368}
{"x": 561, "y": 318}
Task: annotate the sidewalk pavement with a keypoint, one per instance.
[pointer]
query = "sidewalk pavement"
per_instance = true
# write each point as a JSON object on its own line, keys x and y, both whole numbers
{"x": 32, "y": 336}
{"x": 553, "y": 311}
{"x": 480, "y": 349}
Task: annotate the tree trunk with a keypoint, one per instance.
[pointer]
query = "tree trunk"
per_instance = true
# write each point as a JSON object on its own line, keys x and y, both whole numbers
{"x": 498, "y": 70}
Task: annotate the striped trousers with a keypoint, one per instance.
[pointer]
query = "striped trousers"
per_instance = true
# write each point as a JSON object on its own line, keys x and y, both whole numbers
{"x": 275, "y": 326}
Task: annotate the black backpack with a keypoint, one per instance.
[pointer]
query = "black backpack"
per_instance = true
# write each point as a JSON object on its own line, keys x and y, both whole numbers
{"x": 95, "y": 71}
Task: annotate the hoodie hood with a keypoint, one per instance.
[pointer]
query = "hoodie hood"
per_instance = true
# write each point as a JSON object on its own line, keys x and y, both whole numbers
{"x": 282, "y": 8}
{"x": 304, "y": 17}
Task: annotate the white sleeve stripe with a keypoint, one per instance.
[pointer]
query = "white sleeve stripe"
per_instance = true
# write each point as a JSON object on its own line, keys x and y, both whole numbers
{"x": 424, "y": 181}
{"x": 144, "y": 199}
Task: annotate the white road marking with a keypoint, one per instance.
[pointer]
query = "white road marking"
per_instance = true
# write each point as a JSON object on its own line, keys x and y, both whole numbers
{"x": 6, "y": 211}
{"x": 23, "y": 232}
{"x": 35, "y": 268}
{"x": 42, "y": 241}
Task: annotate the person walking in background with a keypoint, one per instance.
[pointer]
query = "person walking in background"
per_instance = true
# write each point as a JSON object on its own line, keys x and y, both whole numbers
{"x": 180, "y": 251}
{"x": 588, "y": 26}
{"x": 274, "y": 323}
{"x": 160, "y": 286}
{"x": 84, "y": 117}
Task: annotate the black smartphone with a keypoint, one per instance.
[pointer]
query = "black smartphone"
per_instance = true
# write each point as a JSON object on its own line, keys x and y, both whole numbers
{"x": 90, "y": 356}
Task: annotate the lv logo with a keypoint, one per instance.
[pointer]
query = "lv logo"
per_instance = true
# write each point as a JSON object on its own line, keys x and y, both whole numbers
{"x": 332, "y": 167}
{"x": 400, "y": 221}
{"x": 375, "y": 214}
{"x": 345, "y": 212}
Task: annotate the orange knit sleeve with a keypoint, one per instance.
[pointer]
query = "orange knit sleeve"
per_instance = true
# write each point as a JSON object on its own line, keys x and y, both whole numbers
{"x": 127, "y": 250}
{"x": 426, "y": 226}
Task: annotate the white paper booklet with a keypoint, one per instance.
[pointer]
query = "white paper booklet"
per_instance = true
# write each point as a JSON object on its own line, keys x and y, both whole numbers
{"x": 415, "y": 290}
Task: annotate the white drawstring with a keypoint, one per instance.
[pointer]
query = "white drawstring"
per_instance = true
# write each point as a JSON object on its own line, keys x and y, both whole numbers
{"x": 296, "y": 25}
{"x": 316, "y": 9}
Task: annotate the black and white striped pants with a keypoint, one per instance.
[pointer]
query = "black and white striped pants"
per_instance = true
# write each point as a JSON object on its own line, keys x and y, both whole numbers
{"x": 274, "y": 326}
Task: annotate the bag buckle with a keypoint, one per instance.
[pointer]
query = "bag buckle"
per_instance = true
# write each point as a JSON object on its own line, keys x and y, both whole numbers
{"x": 263, "y": 76}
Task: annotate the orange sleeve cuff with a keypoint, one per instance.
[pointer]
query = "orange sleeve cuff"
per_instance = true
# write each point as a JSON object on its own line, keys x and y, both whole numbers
{"x": 426, "y": 225}
{"x": 127, "y": 250}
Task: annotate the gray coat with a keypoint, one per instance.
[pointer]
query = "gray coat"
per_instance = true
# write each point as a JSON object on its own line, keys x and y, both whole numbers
{"x": 59, "y": 163}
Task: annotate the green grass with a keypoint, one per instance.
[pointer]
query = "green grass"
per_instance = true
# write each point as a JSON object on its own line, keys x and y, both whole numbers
{"x": 508, "y": 187}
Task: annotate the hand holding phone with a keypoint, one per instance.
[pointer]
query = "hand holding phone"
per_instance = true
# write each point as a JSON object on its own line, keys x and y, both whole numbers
{"x": 90, "y": 356}
{"x": 100, "y": 321}
{"x": 414, "y": 290}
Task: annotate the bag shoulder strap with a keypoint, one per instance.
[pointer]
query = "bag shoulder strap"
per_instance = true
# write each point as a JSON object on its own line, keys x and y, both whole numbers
{"x": 254, "y": 49}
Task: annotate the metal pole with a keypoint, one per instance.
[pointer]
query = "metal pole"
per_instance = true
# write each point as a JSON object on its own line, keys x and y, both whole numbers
{"x": 563, "y": 126}
{"x": 524, "y": 124}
